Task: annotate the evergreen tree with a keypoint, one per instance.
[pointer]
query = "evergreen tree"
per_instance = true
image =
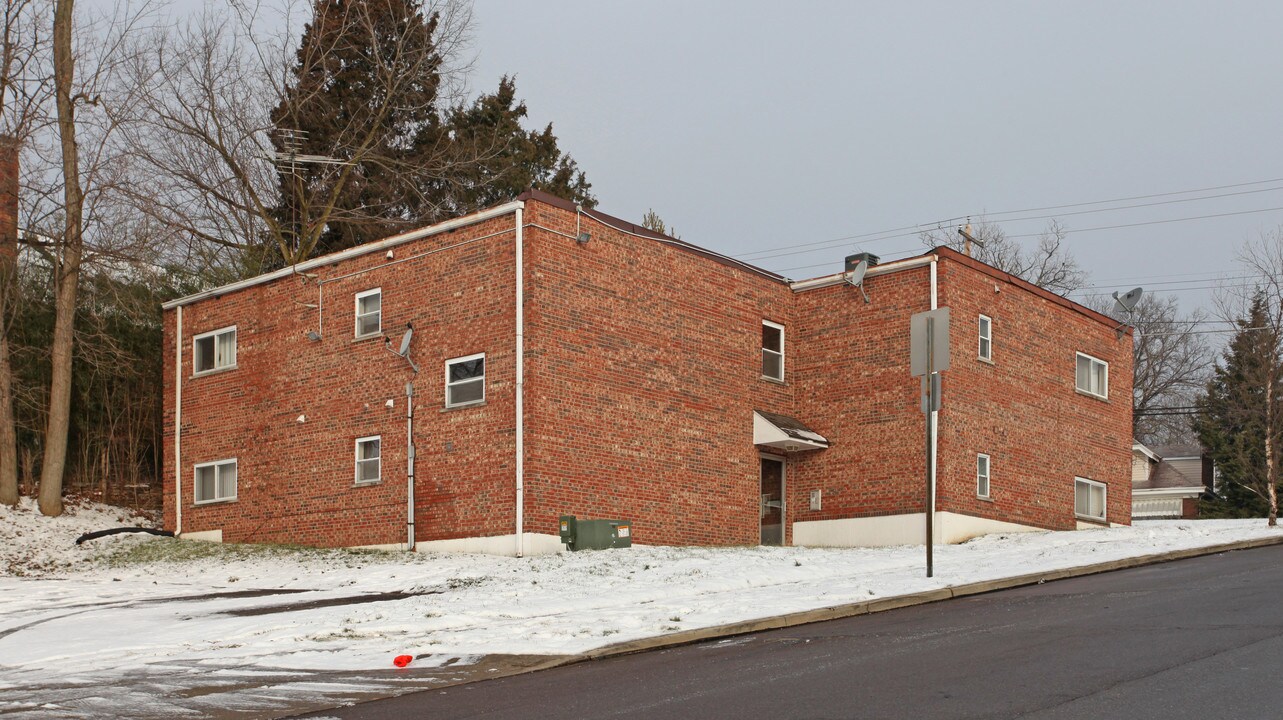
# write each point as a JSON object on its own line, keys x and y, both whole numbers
{"x": 364, "y": 89}
{"x": 503, "y": 158}
{"x": 1239, "y": 418}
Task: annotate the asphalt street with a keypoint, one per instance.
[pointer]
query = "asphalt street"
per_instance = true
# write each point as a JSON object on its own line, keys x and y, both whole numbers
{"x": 1199, "y": 638}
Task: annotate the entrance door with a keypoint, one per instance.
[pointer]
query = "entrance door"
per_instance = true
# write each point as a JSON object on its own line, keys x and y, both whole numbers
{"x": 771, "y": 505}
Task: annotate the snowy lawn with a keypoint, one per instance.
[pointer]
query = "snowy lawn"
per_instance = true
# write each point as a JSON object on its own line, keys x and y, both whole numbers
{"x": 129, "y": 602}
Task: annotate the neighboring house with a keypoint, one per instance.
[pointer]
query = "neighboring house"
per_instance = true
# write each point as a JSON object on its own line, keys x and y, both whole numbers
{"x": 573, "y": 363}
{"x": 1168, "y": 480}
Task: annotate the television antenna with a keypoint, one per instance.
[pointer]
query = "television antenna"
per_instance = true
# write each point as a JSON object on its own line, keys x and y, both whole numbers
{"x": 404, "y": 352}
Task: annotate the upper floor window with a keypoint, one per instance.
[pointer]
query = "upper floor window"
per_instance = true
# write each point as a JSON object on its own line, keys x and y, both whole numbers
{"x": 986, "y": 338}
{"x": 215, "y": 481}
{"x": 369, "y": 312}
{"x": 1092, "y": 376}
{"x": 1089, "y": 499}
{"x": 214, "y": 350}
{"x": 368, "y": 459}
{"x": 772, "y": 350}
{"x": 465, "y": 380}
{"x": 982, "y": 475}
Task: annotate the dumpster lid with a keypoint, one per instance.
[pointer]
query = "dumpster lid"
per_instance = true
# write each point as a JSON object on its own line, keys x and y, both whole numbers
{"x": 784, "y": 432}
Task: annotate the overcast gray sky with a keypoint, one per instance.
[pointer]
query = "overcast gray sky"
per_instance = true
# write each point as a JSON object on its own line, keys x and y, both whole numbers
{"x": 754, "y": 126}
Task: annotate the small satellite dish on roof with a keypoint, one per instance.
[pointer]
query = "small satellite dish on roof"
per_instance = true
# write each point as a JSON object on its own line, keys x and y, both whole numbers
{"x": 1126, "y": 303}
{"x": 405, "y": 346}
{"x": 856, "y": 277}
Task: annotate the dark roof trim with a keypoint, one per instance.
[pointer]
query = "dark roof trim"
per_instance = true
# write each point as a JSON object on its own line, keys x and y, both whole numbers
{"x": 635, "y": 229}
{"x": 947, "y": 253}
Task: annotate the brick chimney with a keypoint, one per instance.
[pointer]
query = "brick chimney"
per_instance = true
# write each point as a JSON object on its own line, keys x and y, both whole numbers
{"x": 8, "y": 198}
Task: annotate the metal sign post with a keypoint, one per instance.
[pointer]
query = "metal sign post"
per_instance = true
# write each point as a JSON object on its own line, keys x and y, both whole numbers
{"x": 928, "y": 357}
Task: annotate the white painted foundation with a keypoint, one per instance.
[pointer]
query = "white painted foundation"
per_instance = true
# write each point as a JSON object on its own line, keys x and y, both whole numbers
{"x": 532, "y": 544}
{"x": 204, "y": 535}
{"x": 888, "y": 530}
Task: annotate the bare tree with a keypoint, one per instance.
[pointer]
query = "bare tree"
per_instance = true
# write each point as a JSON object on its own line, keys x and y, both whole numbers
{"x": 72, "y": 192}
{"x": 1170, "y": 363}
{"x": 1048, "y": 265}
{"x": 23, "y": 89}
{"x": 215, "y": 89}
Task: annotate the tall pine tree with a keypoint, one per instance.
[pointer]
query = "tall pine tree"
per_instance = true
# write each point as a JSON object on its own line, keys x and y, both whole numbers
{"x": 1240, "y": 418}
{"x": 364, "y": 88}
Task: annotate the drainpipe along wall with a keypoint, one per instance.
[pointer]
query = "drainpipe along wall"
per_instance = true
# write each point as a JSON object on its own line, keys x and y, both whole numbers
{"x": 521, "y": 383}
{"x": 935, "y": 414}
{"x": 178, "y": 423}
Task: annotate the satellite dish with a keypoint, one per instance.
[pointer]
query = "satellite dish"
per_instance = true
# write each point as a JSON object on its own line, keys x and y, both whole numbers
{"x": 856, "y": 277}
{"x": 405, "y": 341}
{"x": 405, "y": 346}
{"x": 1127, "y": 303}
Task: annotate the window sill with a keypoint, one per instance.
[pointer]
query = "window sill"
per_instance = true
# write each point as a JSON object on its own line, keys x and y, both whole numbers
{"x": 364, "y": 338}
{"x": 770, "y": 379}
{"x": 219, "y": 501}
{"x": 463, "y": 406}
{"x": 1092, "y": 520}
{"x": 987, "y": 361}
{"x": 368, "y": 483}
{"x": 985, "y": 498}
{"x": 215, "y": 371}
{"x": 1093, "y": 396}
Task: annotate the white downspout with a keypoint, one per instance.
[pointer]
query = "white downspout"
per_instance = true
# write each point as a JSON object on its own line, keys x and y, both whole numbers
{"x": 409, "y": 458}
{"x": 935, "y": 415}
{"x": 521, "y": 382}
{"x": 178, "y": 424}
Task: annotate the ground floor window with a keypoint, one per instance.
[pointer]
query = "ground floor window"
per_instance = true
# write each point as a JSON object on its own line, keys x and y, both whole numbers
{"x": 1089, "y": 499}
{"x": 982, "y": 475}
{"x": 215, "y": 481}
{"x": 368, "y": 459}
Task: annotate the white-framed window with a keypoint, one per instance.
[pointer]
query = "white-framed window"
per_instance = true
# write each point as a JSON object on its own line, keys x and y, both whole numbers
{"x": 772, "y": 350}
{"x": 215, "y": 481}
{"x": 1089, "y": 499}
{"x": 369, "y": 463}
{"x": 214, "y": 350}
{"x": 982, "y": 475}
{"x": 369, "y": 313}
{"x": 986, "y": 338}
{"x": 465, "y": 380}
{"x": 1091, "y": 376}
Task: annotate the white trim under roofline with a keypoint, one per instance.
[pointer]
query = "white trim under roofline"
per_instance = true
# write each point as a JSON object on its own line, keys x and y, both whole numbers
{"x": 359, "y": 250}
{"x": 839, "y": 278}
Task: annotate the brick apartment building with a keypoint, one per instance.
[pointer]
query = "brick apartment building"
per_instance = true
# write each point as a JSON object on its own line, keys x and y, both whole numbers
{"x": 569, "y": 362}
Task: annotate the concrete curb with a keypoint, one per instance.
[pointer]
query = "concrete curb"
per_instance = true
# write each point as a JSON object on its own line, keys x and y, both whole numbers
{"x": 836, "y": 612}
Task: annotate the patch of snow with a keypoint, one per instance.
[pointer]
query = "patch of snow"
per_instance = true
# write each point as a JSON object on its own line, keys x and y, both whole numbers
{"x": 92, "y": 615}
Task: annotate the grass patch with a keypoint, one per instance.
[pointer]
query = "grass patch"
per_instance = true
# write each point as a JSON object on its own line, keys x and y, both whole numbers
{"x": 189, "y": 551}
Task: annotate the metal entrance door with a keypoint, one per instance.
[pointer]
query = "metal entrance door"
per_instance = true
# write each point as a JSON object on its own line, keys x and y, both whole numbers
{"x": 771, "y": 506}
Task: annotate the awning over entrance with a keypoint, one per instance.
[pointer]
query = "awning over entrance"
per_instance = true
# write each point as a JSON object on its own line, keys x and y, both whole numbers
{"x": 785, "y": 433}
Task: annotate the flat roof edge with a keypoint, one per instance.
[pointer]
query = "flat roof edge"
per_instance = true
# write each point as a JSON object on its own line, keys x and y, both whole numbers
{"x": 359, "y": 250}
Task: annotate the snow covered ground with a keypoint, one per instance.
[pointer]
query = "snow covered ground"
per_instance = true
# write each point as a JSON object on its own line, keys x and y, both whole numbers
{"x": 147, "y": 627}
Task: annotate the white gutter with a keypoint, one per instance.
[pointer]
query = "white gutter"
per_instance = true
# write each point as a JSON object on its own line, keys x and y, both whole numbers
{"x": 935, "y": 414}
{"x": 178, "y": 425}
{"x": 521, "y": 382}
{"x": 380, "y": 246}
{"x": 876, "y": 270}
{"x": 409, "y": 470}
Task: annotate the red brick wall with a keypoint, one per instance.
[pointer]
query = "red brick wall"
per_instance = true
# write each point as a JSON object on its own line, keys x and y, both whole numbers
{"x": 854, "y": 388}
{"x": 1022, "y": 409}
{"x": 296, "y": 480}
{"x": 643, "y": 370}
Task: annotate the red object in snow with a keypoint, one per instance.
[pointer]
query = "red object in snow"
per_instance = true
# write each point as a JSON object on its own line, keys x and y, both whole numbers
{"x": 402, "y": 660}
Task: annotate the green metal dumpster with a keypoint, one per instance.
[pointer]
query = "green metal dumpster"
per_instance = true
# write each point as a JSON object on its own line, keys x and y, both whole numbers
{"x": 595, "y": 534}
